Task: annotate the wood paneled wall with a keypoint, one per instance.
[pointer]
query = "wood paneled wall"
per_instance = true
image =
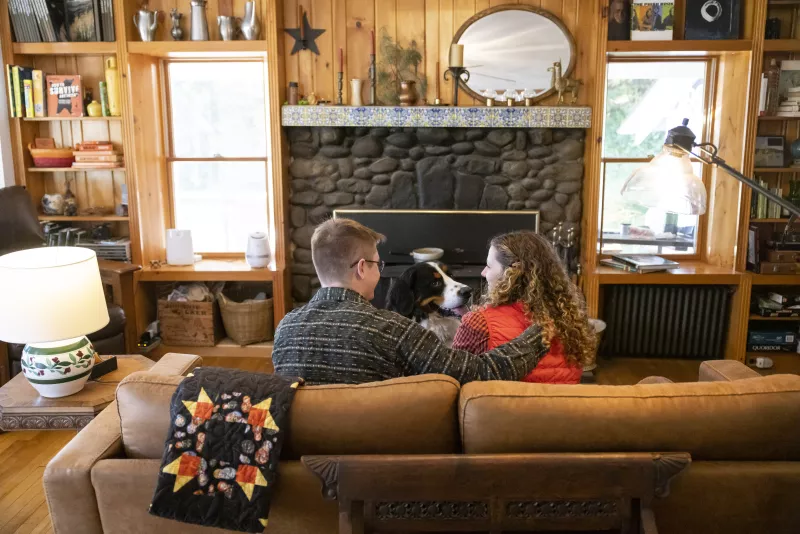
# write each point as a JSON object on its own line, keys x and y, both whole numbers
{"x": 431, "y": 23}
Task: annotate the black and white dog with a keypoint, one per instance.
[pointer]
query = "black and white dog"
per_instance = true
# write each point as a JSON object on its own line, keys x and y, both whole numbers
{"x": 426, "y": 293}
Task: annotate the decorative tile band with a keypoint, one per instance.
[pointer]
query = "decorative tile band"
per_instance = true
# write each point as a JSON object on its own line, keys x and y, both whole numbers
{"x": 441, "y": 117}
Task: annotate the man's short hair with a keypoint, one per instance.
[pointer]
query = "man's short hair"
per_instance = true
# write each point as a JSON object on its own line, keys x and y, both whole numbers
{"x": 337, "y": 244}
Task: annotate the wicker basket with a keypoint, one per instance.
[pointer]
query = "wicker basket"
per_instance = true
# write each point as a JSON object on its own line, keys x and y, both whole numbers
{"x": 247, "y": 322}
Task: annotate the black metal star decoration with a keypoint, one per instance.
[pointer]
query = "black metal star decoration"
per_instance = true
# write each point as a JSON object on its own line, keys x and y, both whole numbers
{"x": 304, "y": 37}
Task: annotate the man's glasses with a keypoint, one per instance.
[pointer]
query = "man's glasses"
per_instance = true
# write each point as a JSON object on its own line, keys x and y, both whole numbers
{"x": 380, "y": 263}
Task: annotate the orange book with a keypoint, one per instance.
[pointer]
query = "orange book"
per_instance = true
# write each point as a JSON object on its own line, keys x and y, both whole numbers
{"x": 64, "y": 96}
{"x": 96, "y": 159}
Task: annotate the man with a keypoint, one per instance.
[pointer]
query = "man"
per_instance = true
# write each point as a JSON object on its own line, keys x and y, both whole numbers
{"x": 339, "y": 337}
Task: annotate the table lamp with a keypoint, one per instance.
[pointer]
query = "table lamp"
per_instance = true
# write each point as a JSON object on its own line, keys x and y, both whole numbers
{"x": 668, "y": 182}
{"x": 50, "y": 298}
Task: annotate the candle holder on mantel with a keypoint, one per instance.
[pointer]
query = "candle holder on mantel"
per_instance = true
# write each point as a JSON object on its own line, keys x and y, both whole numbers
{"x": 457, "y": 73}
{"x": 340, "y": 87}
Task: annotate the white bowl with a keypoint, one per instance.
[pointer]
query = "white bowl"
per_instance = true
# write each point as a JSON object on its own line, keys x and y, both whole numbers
{"x": 427, "y": 254}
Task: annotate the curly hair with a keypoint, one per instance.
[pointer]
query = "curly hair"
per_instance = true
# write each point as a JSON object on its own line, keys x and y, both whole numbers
{"x": 534, "y": 275}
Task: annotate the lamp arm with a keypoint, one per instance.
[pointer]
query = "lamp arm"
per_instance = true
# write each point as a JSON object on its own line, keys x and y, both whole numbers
{"x": 711, "y": 158}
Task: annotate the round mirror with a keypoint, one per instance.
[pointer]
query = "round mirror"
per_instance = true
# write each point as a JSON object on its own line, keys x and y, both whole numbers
{"x": 509, "y": 49}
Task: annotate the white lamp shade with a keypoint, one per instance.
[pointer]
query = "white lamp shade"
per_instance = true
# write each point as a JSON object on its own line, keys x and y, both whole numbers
{"x": 50, "y": 294}
{"x": 668, "y": 183}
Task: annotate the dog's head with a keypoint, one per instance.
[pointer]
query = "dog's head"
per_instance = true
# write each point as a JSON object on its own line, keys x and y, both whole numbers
{"x": 425, "y": 288}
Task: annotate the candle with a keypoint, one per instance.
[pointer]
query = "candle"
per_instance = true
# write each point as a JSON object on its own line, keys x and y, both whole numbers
{"x": 456, "y": 55}
{"x": 341, "y": 60}
{"x": 300, "y": 22}
{"x": 372, "y": 40}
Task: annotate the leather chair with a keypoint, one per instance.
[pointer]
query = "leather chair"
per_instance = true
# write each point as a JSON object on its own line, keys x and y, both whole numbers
{"x": 21, "y": 230}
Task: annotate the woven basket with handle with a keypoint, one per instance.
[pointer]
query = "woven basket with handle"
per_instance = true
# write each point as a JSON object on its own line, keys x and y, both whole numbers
{"x": 247, "y": 322}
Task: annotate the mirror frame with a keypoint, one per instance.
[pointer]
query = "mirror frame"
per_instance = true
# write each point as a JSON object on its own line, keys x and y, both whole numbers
{"x": 518, "y": 7}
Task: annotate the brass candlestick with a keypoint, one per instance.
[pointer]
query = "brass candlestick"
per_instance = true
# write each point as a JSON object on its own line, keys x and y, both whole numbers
{"x": 457, "y": 73}
{"x": 373, "y": 97}
{"x": 340, "y": 84}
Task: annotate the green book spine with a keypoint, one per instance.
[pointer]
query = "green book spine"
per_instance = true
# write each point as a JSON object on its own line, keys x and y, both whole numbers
{"x": 27, "y": 91}
{"x": 17, "y": 91}
{"x": 104, "y": 99}
{"x": 12, "y": 109}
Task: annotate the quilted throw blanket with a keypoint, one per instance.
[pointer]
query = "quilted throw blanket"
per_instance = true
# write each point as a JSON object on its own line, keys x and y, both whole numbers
{"x": 221, "y": 455}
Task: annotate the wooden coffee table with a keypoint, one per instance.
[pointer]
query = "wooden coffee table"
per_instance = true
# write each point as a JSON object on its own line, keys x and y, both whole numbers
{"x": 22, "y": 408}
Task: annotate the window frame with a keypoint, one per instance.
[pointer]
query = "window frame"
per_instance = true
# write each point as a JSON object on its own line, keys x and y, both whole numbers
{"x": 169, "y": 149}
{"x": 711, "y": 71}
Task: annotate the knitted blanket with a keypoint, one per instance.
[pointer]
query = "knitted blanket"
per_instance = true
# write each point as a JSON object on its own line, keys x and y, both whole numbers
{"x": 221, "y": 455}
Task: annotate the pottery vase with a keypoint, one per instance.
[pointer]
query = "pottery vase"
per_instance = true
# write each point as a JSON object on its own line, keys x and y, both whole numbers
{"x": 60, "y": 368}
{"x": 408, "y": 93}
{"x": 250, "y": 25}
{"x": 355, "y": 92}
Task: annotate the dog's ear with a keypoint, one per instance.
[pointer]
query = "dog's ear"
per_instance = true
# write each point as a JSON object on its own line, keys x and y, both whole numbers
{"x": 400, "y": 298}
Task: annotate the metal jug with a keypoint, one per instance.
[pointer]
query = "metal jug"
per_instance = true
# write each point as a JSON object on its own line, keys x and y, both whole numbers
{"x": 250, "y": 25}
{"x": 227, "y": 28}
{"x": 146, "y": 22}
{"x": 199, "y": 31}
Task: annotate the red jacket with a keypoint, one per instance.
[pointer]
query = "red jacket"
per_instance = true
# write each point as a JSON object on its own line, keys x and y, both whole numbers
{"x": 507, "y": 322}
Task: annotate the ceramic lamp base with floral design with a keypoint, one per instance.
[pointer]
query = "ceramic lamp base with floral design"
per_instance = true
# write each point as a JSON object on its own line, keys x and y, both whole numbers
{"x": 59, "y": 368}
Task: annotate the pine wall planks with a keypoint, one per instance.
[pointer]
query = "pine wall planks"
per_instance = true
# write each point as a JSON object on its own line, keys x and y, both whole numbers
{"x": 431, "y": 23}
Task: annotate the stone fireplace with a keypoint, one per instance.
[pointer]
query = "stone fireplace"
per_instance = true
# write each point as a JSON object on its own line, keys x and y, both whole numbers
{"x": 430, "y": 169}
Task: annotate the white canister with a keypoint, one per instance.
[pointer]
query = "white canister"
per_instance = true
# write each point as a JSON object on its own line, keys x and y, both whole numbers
{"x": 179, "y": 247}
{"x": 257, "y": 254}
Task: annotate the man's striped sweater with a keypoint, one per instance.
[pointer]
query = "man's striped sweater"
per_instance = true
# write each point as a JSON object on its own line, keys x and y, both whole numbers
{"x": 340, "y": 338}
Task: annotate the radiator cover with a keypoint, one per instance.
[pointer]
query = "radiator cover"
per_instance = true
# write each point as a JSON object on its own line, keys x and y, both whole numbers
{"x": 666, "y": 321}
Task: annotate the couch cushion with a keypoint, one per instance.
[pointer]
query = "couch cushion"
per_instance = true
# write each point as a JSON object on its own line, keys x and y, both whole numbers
{"x": 124, "y": 489}
{"x": 411, "y": 415}
{"x": 752, "y": 419}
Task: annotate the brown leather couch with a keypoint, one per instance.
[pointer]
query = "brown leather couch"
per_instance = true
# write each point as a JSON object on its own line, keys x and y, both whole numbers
{"x": 741, "y": 429}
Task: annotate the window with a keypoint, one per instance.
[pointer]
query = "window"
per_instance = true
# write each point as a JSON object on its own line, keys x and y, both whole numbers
{"x": 644, "y": 99}
{"x": 218, "y": 152}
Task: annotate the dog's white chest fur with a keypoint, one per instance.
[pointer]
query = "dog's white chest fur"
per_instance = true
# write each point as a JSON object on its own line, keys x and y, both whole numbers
{"x": 444, "y": 327}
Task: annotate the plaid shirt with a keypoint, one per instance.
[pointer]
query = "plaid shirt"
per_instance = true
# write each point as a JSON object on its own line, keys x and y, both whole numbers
{"x": 472, "y": 334}
{"x": 339, "y": 337}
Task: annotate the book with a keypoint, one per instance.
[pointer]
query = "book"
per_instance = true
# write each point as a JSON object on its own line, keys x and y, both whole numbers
{"x": 101, "y": 165}
{"x": 12, "y": 108}
{"x": 80, "y": 20}
{"x": 107, "y": 12}
{"x": 645, "y": 261}
{"x": 38, "y": 94}
{"x": 97, "y": 159}
{"x": 17, "y": 89}
{"x": 618, "y": 265}
{"x": 27, "y": 96}
{"x": 64, "y": 96}
{"x": 762, "y": 95}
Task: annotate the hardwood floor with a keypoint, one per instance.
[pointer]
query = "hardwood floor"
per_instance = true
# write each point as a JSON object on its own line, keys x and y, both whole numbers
{"x": 25, "y": 454}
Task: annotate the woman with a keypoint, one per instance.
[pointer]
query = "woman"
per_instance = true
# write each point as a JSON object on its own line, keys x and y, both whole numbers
{"x": 527, "y": 283}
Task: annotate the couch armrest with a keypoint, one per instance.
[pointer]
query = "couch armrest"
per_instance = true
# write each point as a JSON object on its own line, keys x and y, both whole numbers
{"x": 725, "y": 371}
{"x": 67, "y": 477}
{"x": 173, "y": 363}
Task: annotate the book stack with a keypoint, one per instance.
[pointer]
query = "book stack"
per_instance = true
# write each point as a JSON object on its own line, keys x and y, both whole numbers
{"x": 791, "y": 106}
{"x": 771, "y": 340}
{"x": 781, "y": 304}
{"x": 639, "y": 263}
{"x": 26, "y": 96}
{"x": 96, "y": 155}
{"x": 35, "y": 21}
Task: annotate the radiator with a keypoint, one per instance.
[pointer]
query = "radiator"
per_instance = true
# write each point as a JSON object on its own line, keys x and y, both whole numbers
{"x": 666, "y": 321}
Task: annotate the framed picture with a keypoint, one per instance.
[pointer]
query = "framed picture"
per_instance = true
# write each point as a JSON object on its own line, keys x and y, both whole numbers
{"x": 652, "y": 21}
{"x": 712, "y": 19}
{"x": 619, "y": 16}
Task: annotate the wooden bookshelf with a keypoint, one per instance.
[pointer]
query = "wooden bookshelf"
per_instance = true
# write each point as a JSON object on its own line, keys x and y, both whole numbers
{"x": 689, "y": 272}
{"x": 210, "y": 270}
{"x": 56, "y": 119}
{"x": 782, "y": 45}
{"x": 679, "y": 47}
{"x": 777, "y": 221}
{"x": 72, "y": 169}
{"x": 177, "y": 49}
{"x": 775, "y": 279}
{"x": 780, "y": 170}
{"x": 756, "y": 317}
{"x": 65, "y": 49}
{"x": 86, "y": 218}
{"x": 226, "y": 348}
{"x": 774, "y": 118}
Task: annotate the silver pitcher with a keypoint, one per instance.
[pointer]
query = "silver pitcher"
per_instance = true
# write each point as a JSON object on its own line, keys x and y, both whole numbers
{"x": 146, "y": 22}
{"x": 250, "y": 25}
{"x": 227, "y": 27}
{"x": 199, "y": 30}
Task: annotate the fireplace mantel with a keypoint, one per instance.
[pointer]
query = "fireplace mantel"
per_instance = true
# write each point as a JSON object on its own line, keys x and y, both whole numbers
{"x": 441, "y": 117}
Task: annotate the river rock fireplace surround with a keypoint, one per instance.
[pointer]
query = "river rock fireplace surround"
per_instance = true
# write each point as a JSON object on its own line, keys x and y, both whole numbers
{"x": 430, "y": 159}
